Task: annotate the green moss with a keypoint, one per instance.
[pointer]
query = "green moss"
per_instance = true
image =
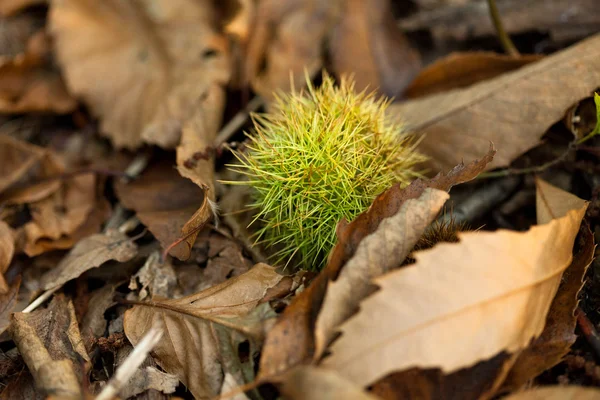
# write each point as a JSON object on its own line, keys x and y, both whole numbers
{"x": 316, "y": 158}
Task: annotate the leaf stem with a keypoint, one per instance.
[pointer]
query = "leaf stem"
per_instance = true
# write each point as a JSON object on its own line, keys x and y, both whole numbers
{"x": 507, "y": 43}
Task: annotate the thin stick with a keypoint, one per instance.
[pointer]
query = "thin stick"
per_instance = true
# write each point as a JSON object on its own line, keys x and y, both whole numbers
{"x": 237, "y": 121}
{"x": 41, "y": 299}
{"x": 507, "y": 44}
{"x": 131, "y": 364}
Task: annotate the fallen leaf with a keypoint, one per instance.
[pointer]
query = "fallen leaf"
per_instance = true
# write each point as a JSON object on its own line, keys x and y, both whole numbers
{"x": 459, "y": 70}
{"x": 309, "y": 382}
{"x": 89, "y": 253}
{"x": 277, "y": 58}
{"x": 446, "y": 328}
{"x": 163, "y": 201}
{"x": 51, "y": 346}
{"x": 291, "y": 341}
{"x": 7, "y": 250}
{"x": 559, "y": 333}
{"x": 513, "y": 110}
{"x": 147, "y": 377}
{"x": 378, "y": 253}
{"x": 156, "y": 277}
{"x": 157, "y": 62}
{"x": 557, "y": 393}
{"x": 367, "y": 44}
{"x": 61, "y": 213}
{"x": 189, "y": 349}
{"x": 8, "y": 301}
{"x": 10, "y": 7}
{"x": 94, "y": 323}
{"x": 21, "y": 386}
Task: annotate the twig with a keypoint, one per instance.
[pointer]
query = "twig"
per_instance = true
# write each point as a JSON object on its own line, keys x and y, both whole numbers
{"x": 531, "y": 170}
{"x": 131, "y": 364}
{"x": 237, "y": 121}
{"x": 40, "y": 299}
{"x": 507, "y": 44}
{"x": 589, "y": 331}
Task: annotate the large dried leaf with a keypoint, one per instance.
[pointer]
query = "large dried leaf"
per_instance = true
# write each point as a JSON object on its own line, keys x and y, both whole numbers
{"x": 89, "y": 253}
{"x": 291, "y": 340}
{"x": 424, "y": 317}
{"x": 513, "y": 110}
{"x": 459, "y": 70}
{"x": 51, "y": 346}
{"x": 367, "y": 44}
{"x": 8, "y": 301}
{"x": 378, "y": 253}
{"x": 156, "y": 62}
{"x": 189, "y": 348}
{"x": 308, "y": 382}
{"x": 7, "y": 250}
{"x": 557, "y": 393}
{"x": 163, "y": 201}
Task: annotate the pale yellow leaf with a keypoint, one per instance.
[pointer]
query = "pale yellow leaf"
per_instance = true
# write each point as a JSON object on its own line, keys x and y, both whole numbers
{"x": 309, "y": 382}
{"x": 461, "y": 303}
{"x": 376, "y": 254}
{"x": 557, "y": 393}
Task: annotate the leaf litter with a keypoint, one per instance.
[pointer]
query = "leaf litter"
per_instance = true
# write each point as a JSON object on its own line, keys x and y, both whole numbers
{"x": 146, "y": 280}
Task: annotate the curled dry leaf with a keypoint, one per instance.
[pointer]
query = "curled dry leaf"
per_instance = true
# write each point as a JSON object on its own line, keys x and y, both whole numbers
{"x": 7, "y": 250}
{"x": 378, "y": 253}
{"x": 189, "y": 348}
{"x": 512, "y": 278}
{"x": 513, "y": 110}
{"x": 157, "y": 62}
{"x": 8, "y": 301}
{"x": 557, "y": 393}
{"x": 89, "y": 253}
{"x": 309, "y": 382}
{"x": 559, "y": 333}
{"x": 163, "y": 201}
{"x": 51, "y": 346}
{"x": 459, "y": 70}
{"x": 367, "y": 44}
{"x": 291, "y": 340}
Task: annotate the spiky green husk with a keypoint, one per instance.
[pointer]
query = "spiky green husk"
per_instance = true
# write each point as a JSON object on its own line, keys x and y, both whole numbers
{"x": 316, "y": 158}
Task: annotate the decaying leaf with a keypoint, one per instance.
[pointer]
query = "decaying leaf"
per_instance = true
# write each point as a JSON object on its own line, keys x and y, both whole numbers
{"x": 378, "y": 253}
{"x": 158, "y": 62}
{"x": 51, "y": 346}
{"x": 189, "y": 348}
{"x": 291, "y": 340}
{"x": 93, "y": 323}
{"x": 557, "y": 393}
{"x": 308, "y": 382}
{"x": 10, "y": 7}
{"x": 559, "y": 333}
{"x": 163, "y": 201}
{"x": 513, "y": 110}
{"x": 7, "y": 250}
{"x": 459, "y": 70}
{"x": 8, "y": 300}
{"x": 89, "y": 253}
{"x": 424, "y": 317}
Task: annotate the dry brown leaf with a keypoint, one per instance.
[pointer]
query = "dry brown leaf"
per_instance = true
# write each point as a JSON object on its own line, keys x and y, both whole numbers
{"x": 309, "y": 382}
{"x": 157, "y": 62}
{"x": 189, "y": 348}
{"x": 8, "y": 301}
{"x": 513, "y": 110}
{"x": 559, "y": 333}
{"x": 163, "y": 201}
{"x": 367, "y": 44}
{"x": 10, "y": 7}
{"x": 291, "y": 340}
{"x": 7, "y": 250}
{"x": 89, "y": 253}
{"x": 94, "y": 323}
{"x": 276, "y": 52}
{"x": 51, "y": 346}
{"x": 459, "y": 70}
{"x": 377, "y": 254}
{"x": 557, "y": 393}
{"x": 511, "y": 277}
{"x": 60, "y": 214}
